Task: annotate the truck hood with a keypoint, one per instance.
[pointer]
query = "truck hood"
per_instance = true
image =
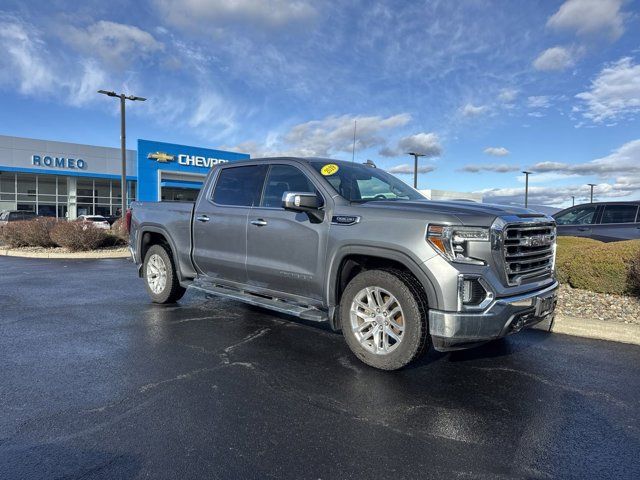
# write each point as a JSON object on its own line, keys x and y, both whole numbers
{"x": 468, "y": 213}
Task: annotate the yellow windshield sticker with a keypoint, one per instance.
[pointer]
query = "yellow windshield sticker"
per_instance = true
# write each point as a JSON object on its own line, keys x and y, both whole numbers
{"x": 329, "y": 169}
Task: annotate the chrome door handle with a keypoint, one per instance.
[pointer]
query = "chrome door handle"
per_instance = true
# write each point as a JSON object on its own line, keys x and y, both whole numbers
{"x": 259, "y": 222}
{"x": 202, "y": 218}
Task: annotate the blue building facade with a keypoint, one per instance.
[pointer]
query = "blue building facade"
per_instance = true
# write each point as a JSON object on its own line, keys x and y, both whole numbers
{"x": 171, "y": 172}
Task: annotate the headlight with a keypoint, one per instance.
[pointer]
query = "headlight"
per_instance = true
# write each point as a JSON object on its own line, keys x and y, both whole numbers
{"x": 452, "y": 242}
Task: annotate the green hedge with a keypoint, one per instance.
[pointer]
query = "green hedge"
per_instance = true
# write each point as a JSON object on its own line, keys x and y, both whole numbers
{"x": 597, "y": 266}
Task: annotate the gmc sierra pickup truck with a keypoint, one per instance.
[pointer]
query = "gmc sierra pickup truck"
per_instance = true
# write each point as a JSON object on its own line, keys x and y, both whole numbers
{"x": 354, "y": 246}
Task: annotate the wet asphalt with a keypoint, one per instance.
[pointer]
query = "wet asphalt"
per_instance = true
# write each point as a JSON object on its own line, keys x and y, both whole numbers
{"x": 98, "y": 383}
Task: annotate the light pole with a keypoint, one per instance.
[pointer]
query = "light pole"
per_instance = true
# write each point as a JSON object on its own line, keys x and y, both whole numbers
{"x": 573, "y": 200}
{"x": 415, "y": 167}
{"x": 591, "y": 185}
{"x": 526, "y": 188}
{"x": 123, "y": 143}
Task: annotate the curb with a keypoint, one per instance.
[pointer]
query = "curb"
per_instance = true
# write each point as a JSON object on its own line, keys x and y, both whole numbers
{"x": 597, "y": 329}
{"x": 67, "y": 256}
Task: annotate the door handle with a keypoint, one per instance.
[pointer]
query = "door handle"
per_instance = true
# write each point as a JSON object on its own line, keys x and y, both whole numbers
{"x": 259, "y": 222}
{"x": 583, "y": 229}
{"x": 202, "y": 218}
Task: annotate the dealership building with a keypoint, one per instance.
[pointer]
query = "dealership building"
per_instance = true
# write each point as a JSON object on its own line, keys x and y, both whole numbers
{"x": 65, "y": 180}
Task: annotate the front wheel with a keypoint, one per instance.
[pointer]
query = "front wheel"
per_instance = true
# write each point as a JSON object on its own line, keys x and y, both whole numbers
{"x": 160, "y": 276}
{"x": 384, "y": 318}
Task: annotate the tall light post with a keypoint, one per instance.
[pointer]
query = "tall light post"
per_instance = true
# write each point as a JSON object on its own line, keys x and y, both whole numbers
{"x": 123, "y": 143}
{"x": 526, "y": 188}
{"x": 573, "y": 200}
{"x": 591, "y": 185}
{"x": 415, "y": 167}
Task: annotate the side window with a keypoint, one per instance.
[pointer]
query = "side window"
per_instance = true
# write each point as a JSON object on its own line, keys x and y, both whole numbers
{"x": 239, "y": 186}
{"x": 578, "y": 216}
{"x": 284, "y": 178}
{"x": 619, "y": 214}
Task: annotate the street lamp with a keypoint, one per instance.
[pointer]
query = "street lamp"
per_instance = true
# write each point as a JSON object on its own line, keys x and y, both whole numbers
{"x": 415, "y": 167}
{"x": 526, "y": 188}
{"x": 573, "y": 200}
{"x": 123, "y": 143}
{"x": 591, "y": 185}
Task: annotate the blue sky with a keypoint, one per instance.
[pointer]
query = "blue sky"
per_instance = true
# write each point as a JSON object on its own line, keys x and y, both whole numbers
{"x": 484, "y": 88}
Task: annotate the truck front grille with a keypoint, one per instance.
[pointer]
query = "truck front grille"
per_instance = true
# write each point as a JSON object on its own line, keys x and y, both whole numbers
{"x": 529, "y": 251}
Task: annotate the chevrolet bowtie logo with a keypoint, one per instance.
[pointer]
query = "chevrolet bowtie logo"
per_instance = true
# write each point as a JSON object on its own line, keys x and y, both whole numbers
{"x": 161, "y": 157}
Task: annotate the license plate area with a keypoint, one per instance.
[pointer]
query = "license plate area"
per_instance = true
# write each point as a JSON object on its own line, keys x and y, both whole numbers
{"x": 546, "y": 305}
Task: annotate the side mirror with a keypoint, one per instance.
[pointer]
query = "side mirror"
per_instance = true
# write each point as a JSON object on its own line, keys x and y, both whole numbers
{"x": 300, "y": 201}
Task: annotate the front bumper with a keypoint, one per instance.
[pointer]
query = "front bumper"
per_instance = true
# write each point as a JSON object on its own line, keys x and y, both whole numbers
{"x": 456, "y": 330}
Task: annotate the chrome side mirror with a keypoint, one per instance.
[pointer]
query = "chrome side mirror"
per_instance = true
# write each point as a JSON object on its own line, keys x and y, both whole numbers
{"x": 300, "y": 201}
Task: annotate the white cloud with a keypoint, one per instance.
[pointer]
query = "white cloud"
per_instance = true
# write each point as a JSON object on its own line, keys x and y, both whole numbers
{"x": 427, "y": 144}
{"x": 24, "y": 59}
{"x": 589, "y": 17}
{"x": 496, "y": 151}
{"x": 115, "y": 43}
{"x": 614, "y": 94}
{"x": 622, "y": 161}
{"x": 470, "y": 110}
{"x": 497, "y": 168}
{"x": 508, "y": 95}
{"x": 335, "y": 133}
{"x": 554, "y": 58}
{"x": 213, "y": 14}
{"x": 539, "y": 101}
{"x": 406, "y": 169}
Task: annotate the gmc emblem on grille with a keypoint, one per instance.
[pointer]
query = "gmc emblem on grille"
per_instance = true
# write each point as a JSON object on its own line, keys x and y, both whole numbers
{"x": 537, "y": 241}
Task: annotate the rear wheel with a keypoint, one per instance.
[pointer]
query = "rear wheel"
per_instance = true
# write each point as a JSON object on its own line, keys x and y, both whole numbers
{"x": 383, "y": 317}
{"x": 160, "y": 276}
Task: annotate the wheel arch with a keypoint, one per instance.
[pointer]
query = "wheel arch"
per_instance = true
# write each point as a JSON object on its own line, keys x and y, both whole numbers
{"x": 153, "y": 235}
{"x": 352, "y": 260}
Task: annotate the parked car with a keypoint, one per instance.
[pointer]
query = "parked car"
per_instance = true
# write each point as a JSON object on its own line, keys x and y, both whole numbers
{"x": 354, "y": 246}
{"x": 96, "y": 221}
{"x": 604, "y": 221}
{"x": 8, "y": 216}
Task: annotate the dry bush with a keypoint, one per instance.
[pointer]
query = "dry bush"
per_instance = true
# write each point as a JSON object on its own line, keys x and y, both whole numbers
{"x": 77, "y": 236}
{"x": 119, "y": 229}
{"x": 600, "y": 267}
{"x": 29, "y": 233}
{"x": 634, "y": 274}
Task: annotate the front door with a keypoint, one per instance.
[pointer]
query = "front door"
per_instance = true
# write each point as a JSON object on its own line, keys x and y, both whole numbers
{"x": 577, "y": 221}
{"x": 285, "y": 249}
{"x": 220, "y": 223}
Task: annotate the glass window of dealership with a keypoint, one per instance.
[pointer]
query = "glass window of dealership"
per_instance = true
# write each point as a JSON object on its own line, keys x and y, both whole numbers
{"x": 61, "y": 196}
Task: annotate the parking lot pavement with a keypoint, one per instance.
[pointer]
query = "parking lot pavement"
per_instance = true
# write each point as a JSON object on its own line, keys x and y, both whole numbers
{"x": 97, "y": 382}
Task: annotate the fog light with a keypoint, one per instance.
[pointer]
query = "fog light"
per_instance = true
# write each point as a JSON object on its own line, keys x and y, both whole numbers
{"x": 472, "y": 294}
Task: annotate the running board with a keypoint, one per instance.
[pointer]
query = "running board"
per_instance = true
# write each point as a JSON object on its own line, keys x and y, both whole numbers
{"x": 303, "y": 312}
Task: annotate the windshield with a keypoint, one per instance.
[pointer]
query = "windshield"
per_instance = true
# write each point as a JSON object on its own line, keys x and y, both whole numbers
{"x": 360, "y": 183}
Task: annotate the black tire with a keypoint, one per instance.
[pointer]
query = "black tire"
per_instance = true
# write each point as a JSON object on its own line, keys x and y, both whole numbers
{"x": 410, "y": 296}
{"x": 172, "y": 291}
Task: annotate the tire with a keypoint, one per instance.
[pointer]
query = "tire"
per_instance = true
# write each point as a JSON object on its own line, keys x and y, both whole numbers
{"x": 160, "y": 275}
{"x": 367, "y": 340}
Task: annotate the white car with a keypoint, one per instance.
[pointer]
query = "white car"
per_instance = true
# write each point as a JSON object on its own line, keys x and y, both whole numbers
{"x": 96, "y": 221}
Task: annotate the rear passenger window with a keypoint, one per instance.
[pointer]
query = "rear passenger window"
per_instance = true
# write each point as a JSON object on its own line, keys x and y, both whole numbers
{"x": 239, "y": 186}
{"x": 619, "y": 214}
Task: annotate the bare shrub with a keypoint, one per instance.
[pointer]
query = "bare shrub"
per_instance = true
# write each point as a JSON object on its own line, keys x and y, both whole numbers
{"x": 30, "y": 233}
{"x": 78, "y": 236}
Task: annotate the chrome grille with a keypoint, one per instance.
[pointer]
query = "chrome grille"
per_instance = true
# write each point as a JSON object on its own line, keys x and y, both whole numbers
{"x": 529, "y": 251}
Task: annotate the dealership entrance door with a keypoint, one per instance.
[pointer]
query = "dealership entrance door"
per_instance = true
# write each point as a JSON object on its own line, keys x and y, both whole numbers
{"x": 179, "y": 186}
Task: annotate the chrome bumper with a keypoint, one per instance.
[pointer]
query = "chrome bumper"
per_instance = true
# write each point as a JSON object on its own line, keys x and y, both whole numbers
{"x": 455, "y": 330}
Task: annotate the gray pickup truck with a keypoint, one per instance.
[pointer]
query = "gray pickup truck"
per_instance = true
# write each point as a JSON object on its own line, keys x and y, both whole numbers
{"x": 352, "y": 245}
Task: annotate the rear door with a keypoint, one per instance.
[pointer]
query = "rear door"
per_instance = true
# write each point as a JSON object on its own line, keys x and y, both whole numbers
{"x": 220, "y": 222}
{"x": 285, "y": 249}
{"x": 617, "y": 222}
{"x": 577, "y": 221}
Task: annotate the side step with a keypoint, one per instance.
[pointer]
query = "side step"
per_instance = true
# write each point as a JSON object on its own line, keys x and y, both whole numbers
{"x": 300, "y": 311}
